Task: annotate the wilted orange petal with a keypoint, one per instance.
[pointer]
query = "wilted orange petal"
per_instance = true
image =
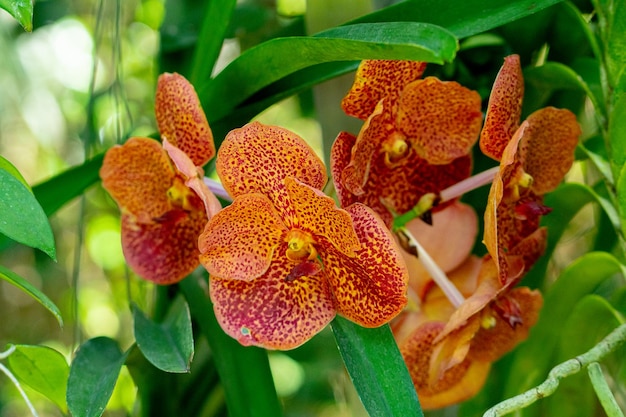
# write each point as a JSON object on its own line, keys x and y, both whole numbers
{"x": 531, "y": 247}
{"x": 370, "y": 289}
{"x": 163, "y": 251}
{"x": 504, "y": 109}
{"x": 257, "y": 158}
{"x": 440, "y": 119}
{"x": 137, "y": 175}
{"x": 448, "y": 241}
{"x": 453, "y": 349}
{"x": 551, "y": 137}
{"x": 181, "y": 120}
{"x": 239, "y": 242}
{"x": 194, "y": 178}
{"x": 490, "y": 344}
{"x": 377, "y": 79}
{"x": 376, "y": 129}
{"x": 457, "y": 384}
{"x": 270, "y": 311}
{"x": 318, "y": 214}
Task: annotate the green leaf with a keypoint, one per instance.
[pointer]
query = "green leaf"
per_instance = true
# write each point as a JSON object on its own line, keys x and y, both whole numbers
{"x": 21, "y": 217}
{"x": 612, "y": 23}
{"x": 217, "y": 17}
{"x": 21, "y": 10}
{"x": 93, "y": 374}
{"x": 167, "y": 345}
{"x": 43, "y": 369}
{"x": 535, "y": 357}
{"x": 40, "y": 297}
{"x": 589, "y": 322}
{"x": 10, "y": 168}
{"x": 59, "y": 190}
{"x": 377, "y": 369}
{"x": 244, "y": 371}
{"x": 283, "y": 56}
{"x": 617, "y": 126}
{"x": 621, "y": 198}
{"x": 599, "y": 161}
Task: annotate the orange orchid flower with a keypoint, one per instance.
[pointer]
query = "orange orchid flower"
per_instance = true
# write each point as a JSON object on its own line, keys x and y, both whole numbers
{"x": 159, "y": 188}
{"x": 534, "y": 157}
{"x": 283, "y": 258}
{"x": 415, "y": 140}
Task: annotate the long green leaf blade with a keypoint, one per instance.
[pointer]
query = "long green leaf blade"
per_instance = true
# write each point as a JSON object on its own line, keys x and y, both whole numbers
{"x": 283, "y": 56}
{"x": 21, "y": 217}
{"x": 377, "y": 369}
{"x": 93, "y": 374}
{"x": 28, "y": 288}
{"x": 167, "y": 345}
{"x": 43, "y": 369}
{"x": 21, "y": 10}
{"x": 244, "y": 371}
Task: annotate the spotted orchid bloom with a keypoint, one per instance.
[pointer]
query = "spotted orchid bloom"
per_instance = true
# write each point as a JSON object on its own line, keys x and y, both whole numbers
{"x": 534, "y": 158}
{"x": 415, "y": 140}
{"x": 283, "y": 259}
{"x": 159, "y": 188}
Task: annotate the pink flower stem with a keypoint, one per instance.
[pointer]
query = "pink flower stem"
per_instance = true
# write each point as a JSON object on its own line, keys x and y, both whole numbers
{"x": 217, "y": 188}
{"x": 468, "y": 184}
{"x": 437, "y": 274}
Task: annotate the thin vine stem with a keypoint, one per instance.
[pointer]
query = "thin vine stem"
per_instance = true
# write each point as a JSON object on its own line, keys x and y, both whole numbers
{"x": 570, "y": 367}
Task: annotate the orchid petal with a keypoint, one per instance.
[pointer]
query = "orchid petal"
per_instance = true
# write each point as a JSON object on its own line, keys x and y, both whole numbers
{"x": 181, "y": 120}
{"x": 257, "y": 158}
{"x": 504, "y": 108}
{"x": 340, "y": 154}
{"x": 551, "y": 138}
{"x": 238, "y": 243}
{"x": 194, "y": 178}
{"x": 377, "y": 79}
{"x": 441, "y": 120}
{"x": 318, "y": 214}
{"x": 138, "y": 175}
{"x": 369, "y": 289}
{"x": 163, "y": 251}
{"x": 270, "y": 311}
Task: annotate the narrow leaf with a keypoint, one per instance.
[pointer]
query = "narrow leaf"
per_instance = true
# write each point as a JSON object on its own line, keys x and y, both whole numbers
{"x": 621, "y": 197}
{"x": 43, "y": 369}
{"x": 21, "y": 10}
{"x": 93, "y": 374}
{"x": 167, "y": 345}
{"x": 244, "y": 371}
{"x": 377, "y": 369}
{"x": 283, "y": 56}
{"x": 21, "y": 217}
{"x": 28, "y": 288}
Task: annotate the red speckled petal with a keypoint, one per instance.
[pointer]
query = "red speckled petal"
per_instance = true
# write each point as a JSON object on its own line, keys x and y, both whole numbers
{"x": 376, "y": 129}
{"x": 370, "y": 289}
{"x": 258, "y": 158}
{"x": 377, "y": 79}
{"x": 163, "y": 251}
{"x": 441, "y": 119}
{"x": 552, "y": 136}
{"x": 239, "y": 242}
{"x": 181, "y": 119}
{"x": 340, "y": 154}
{"x": 490, "y": 344}
{"x": 194, "y": 178}
{"x": 457, "y": 384}
{"x": 270, "y": 311}
{"x": 318, "y": 214}
{"x": 504, "y": 109}
{"x": 138, "y": 175}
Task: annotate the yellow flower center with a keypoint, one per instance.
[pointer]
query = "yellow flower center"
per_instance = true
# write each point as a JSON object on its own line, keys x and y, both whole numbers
{"x": 300, "y": 245}
{"x": 524, "y": 180}
{"x": 180, "y": 195}
{"x": 395, "y": 148}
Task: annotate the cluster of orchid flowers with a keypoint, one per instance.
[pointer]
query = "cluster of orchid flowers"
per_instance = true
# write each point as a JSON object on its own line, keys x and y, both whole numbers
{"x": 284, "y": 259}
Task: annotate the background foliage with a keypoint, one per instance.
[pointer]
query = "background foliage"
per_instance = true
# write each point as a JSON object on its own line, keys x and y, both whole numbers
{"x": 84, "y": 80}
